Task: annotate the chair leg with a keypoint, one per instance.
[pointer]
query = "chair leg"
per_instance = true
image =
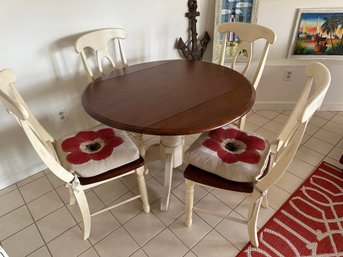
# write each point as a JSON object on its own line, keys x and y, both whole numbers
{"x": 189, "y": 201}
{"x": 254, "y": 209}
{"x": 142, "y": 189}
{"x": 241, "y": 122}
{"x": 71, "y": 197}
{"x": 84, "y": 208}
{"x": 265, "y": 203}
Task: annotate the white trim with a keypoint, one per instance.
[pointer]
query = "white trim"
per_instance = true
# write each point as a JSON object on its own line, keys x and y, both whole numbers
{"x": 288, "y": 105}
{"x": 7, "y": 181}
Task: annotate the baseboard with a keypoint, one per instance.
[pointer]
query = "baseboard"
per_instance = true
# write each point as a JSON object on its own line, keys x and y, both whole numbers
{"x": 265, "y": 105}
{"x": 5, "y": 182}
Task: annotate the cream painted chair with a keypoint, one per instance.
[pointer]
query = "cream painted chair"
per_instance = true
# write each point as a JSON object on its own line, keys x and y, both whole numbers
{"x": 82, "y": 160}
{"x": 248, "y": 34}
{"x": 102, "y": 45}
{"x": 236, "y": 160}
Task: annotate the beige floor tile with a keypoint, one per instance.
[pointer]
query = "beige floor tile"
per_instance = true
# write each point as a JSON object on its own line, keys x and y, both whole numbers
{"x": 334, "y": 127}
{"x": 127, "y": 211}
{"x": 214, "y": 245}
{"x": 14, "y": 221}
{"x": 309, "y": 156}
{"x": 311, "y": 130}
{"x": 89, "y": 253}
{"x": 317, "y": 121}
{"x": 251, "y": 126}
{"x": 190, "y": 235}
{"x": 165, "y": 244}
{"x": 277, "y": 196}
{"x": 130, "y": 181}
{"x": 319, "y": 146}
{"x": 30, "y": 179}
{"x": 41, "y": 252}
{"x": 338, "y": 118}
{"x": 94, "y": 205}
{"x": 336, "y": 153}
{"x": 328, "y": 136}
{"x": 300, "y": 168}
{"x": 211, "y": 203}
{"x": 139, "y": 253}
{"x": 190, "y": 254}
{"x": 45, "y": 204}
{"x": 154, "y": 189}
{"x": 264, "y": 214}
{"x": 176, "y": 209}
{"x": 102, "y": 225}
{"x": 180, "y": 192}
{"x": 70, "y": 243}
{"x": 340, "y": 143}
{"x": 257, "y": 119}
{"x": 333, "y": 162}
{"x": 269, "y": 135}
{"x": 110, "y": 191}
{"x": 325, "y": 115}
{"x": 268, "y": 114}
{"x": 35, "y": 189}
{"x": 231, "y": 199}
{"x": 10, "y": 201}
{"x": 236, "y": 233}
{"x": 282, "y": 119}
{"x": 54, "y": 180}
{"x": 274, "y": 127}
{"x": 289, "y": 182}
{"x": 119, "y": 244}
{"x": 176, "y": 180}
{"x": 7, "y": 189}
{"x": 55, "y": 224}
{"x": 29, "y": 240}
{"x": 152, "y": 226}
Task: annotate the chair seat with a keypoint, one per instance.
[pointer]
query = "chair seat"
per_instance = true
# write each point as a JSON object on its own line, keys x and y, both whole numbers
{"x": 209, "y": 179}
{"x": 230, "y": 153}
{"x": 96, "y": 151}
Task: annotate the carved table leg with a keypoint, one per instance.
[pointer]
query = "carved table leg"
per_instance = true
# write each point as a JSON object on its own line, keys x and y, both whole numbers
{"x": 171, "y": 147}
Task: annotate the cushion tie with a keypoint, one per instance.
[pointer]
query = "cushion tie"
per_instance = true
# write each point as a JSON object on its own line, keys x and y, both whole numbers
{"x": 74, "y": 184}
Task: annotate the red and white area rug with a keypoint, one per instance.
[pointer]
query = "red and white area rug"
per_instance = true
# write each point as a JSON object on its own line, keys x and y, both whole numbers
{"x": 310, "y": 223}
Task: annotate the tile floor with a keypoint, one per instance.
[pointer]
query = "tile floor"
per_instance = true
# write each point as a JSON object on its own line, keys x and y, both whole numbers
{"x": 36, "y": 221}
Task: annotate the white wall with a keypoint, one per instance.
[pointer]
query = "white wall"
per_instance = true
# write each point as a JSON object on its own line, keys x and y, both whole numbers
{"x": 37, "y": 38}
{"x": 280, "y": 15}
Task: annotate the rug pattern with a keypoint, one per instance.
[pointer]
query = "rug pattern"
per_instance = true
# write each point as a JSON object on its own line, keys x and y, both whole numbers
{"x": 310, "y": 223}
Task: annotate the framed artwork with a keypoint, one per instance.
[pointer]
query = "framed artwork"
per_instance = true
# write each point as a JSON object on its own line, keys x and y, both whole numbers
{"x": 317, "y": 34}
{"x": 231, "y": 11}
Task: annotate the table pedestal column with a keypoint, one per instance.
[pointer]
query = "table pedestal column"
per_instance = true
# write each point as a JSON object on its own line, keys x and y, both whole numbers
{"x": 171, "y": 150}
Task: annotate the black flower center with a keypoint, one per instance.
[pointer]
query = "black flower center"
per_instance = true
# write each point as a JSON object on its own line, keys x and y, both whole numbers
{"x": 93, "y": 147}
{"x": 232, "y": 147}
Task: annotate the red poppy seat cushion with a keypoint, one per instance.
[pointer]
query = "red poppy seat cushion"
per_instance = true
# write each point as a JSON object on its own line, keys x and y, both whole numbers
{"x": 230, "y": 153}
{"x": 90, "y": 153}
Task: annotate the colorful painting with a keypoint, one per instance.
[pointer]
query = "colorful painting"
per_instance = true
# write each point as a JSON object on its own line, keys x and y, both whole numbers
{"x": 318, "y": 34}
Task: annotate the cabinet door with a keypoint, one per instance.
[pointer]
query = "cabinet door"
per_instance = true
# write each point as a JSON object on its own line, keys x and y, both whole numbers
{"x": 231, "y": 11}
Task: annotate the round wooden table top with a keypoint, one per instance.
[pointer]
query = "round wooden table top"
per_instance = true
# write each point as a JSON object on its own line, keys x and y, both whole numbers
{"x": 174, "y": 97}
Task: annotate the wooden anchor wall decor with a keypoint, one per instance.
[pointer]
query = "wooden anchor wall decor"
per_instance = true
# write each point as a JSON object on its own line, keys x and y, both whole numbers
{"x": 195, "y": 52}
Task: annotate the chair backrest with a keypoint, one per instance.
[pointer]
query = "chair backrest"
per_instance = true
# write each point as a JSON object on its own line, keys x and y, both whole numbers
{"x": 287, "y": 143}
{"x": 41, "y": 140}
{"x": 100, "y": 41}
{"x": 248, "y": 34}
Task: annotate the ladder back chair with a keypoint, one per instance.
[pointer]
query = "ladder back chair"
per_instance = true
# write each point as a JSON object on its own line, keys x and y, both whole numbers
{"x": 82, "y": 160}
{"x": 232, "y": 159}
{"x": 248, "y": 34}
{"x": 104, "y": 44}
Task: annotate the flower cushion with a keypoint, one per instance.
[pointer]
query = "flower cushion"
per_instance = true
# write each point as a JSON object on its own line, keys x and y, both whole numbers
{"x": 230, "y": 153}
{"x": 90, "y": 153}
